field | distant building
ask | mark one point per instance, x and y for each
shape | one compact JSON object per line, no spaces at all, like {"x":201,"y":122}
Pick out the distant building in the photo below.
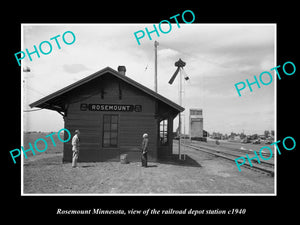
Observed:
{"x":196,"y":123}
{"x":216,"y":135}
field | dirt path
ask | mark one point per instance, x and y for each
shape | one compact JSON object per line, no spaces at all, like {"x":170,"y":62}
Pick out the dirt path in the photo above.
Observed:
{"x":199,"y":174}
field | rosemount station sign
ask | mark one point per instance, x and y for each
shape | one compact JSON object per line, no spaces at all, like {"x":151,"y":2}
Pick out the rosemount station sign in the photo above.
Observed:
{"x":111,"y":107}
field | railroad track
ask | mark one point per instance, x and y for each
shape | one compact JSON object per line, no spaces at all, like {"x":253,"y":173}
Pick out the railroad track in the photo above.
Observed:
{"x":264,"y":166}
{"x":236,"y":153}
{"x":244,"y":151}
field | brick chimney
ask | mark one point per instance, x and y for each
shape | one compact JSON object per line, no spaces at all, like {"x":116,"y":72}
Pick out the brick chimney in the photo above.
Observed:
{"x":122,"y":70}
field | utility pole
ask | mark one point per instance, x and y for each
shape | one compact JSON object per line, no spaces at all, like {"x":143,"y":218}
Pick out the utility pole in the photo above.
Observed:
{"x":155,"y":73}
{"x":179,"y":64}
{"x":180,"y":103}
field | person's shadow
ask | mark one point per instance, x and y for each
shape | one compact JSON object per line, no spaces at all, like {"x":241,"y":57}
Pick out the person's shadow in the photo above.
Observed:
{"x":174,"y":160}
{"x":153,"y":165}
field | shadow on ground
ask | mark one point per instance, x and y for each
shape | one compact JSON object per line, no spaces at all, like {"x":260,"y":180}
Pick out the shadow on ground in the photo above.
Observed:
{"x":174,"y":160}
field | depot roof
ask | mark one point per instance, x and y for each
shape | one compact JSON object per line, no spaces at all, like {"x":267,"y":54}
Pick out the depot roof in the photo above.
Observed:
{"x":54,"y":100}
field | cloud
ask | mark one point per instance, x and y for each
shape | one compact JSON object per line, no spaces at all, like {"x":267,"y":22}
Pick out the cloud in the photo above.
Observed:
{"x":216,"y":56}
{"x":74,"y":68}
{"x":167,"y":53}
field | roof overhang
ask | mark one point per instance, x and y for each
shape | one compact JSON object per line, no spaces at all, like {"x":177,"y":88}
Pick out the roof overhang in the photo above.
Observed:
{"x":52,"y":101}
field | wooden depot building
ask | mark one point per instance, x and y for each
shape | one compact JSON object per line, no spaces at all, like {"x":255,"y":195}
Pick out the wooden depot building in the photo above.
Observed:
{"x":112,"y":113}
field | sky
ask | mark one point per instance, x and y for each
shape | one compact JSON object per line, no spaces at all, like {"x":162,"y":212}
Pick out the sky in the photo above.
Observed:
{"x":217,"y":57}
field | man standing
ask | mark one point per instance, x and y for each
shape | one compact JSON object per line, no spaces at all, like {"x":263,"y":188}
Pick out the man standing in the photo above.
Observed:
{"x":144,"y":149}
{"x":75,"y":148}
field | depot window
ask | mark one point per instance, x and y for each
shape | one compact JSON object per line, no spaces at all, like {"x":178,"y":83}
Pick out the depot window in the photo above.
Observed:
{"x":110,"y":131}
{"x":163,"y":132}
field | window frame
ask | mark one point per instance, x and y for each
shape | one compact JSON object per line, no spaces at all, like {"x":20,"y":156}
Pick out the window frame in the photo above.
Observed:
{"x":108,"y":130}
{"x":164,"y":131}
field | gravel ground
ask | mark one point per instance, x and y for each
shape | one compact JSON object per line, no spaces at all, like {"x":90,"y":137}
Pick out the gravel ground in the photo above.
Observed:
{"x":200,"y":173}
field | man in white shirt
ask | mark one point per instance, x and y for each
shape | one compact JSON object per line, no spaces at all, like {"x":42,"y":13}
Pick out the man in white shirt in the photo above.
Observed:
{"x":144,"y":150}
{"x":75,"y":148}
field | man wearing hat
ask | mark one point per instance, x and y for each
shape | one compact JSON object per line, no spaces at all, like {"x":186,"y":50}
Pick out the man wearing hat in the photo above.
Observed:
{"x":144,"y":149}
{"x":75,"y":148}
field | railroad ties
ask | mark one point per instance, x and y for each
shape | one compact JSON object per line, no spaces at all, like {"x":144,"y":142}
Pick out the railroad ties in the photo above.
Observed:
{"x":266,"y":167}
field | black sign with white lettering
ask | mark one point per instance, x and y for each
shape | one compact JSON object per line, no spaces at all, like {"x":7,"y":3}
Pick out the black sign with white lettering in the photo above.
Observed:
{"x":110,"y":107}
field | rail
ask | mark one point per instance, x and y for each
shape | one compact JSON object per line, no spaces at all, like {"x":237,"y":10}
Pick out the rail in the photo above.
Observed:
{"x":264,"y":166}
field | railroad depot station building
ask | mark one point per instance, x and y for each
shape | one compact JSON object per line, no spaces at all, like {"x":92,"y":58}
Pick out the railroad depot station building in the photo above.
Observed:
{"x":112,"y":113}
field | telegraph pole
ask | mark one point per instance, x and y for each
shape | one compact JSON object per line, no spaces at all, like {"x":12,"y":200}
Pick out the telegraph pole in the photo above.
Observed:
{"x":179,"y":64}
{"x":180,"y":103}
{"x":155,"y":73}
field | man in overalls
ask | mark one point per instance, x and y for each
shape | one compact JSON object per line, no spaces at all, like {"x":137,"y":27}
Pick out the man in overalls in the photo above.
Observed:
{"x":75,"y":148}
{"x":144,"y":150}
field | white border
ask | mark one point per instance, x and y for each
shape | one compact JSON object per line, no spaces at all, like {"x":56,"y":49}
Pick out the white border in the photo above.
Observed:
{"x":173,"y":194}
{"x":22,"y":121}
{"x":275,"y":113}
